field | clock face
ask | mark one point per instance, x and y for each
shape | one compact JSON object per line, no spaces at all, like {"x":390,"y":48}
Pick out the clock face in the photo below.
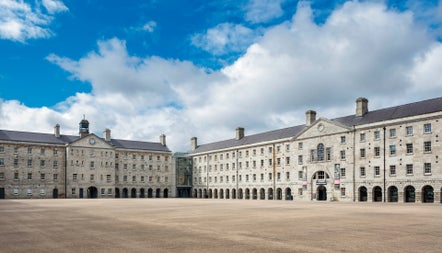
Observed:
{"x":92,"y":141}
{"x":320,"y":127}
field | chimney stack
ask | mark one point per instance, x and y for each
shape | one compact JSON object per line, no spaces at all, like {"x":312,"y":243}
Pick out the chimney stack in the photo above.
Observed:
{"x":194,"y":143}
{"x":361,"y":107}
{"x":107,"y":134}
{"x":239,"y":133}
{"x":57,"y":131}
{"x":163,"y":139}
{"x":310,"y":117}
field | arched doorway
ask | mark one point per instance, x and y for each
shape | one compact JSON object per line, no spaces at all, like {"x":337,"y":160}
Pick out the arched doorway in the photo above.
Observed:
{"x":133,"y":193}
{"x":157,"y":193}
{"x":166,"y":193}
{"x":200,"y":193}
{"x":117,"y":192}
{"x":288,"y":194}
{"x":279,"y":194}
{"x":205,"y":194}
{"x":142,"y":193}
{"x":254,"y":193}
{"x":377,"y":194}
{"x":92,"y":192}
{"x":321,"y":193}
{"x":221,"y":193}
{"x":149,"y":193}
{"x":427,"y":194}
{"x":247,"y":193}
{"x":55,"y":193}
{"x":262,"y":193}
{"x":227,"y":194}
{"x":195,"y":193}
{"x":233,"y":193}
{"x":125,"y":193}
{"x":240,"y":195}
{"x":270,"y":193}
{"x":393,"y":194}
{"x":409,"y":194}
{"x":215,"y":193}
{"x":363,"y":194}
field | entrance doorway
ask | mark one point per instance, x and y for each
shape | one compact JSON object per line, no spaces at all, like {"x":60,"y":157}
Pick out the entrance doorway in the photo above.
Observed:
{"x":410,"y":194}
{"x":2,"y":193}
{"x":321,"y":193}
{"x":117,"y":192}
{"x":81,"y":193}
{"x":392,"y":194}
{"x":92,"y":192}
{"x":377,"y":194}
{"x":55,"y":193}
{"x":362,"y":194}
{"x":427,"y":194}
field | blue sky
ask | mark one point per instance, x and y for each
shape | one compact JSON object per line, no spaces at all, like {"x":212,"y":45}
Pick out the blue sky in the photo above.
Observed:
{"x":203,"y":68}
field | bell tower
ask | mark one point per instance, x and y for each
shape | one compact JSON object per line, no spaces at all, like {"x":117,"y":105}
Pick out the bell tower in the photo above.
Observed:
{"x":84,"y":127}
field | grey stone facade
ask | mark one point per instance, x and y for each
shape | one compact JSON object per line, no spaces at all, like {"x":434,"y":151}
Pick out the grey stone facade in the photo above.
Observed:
{"x":389,"y":155}
{"x":38,"y":165}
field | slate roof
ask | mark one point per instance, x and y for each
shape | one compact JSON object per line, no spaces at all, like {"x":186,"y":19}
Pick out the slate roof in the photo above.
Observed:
{"x":391,"y":113}
{"x":44,"y":138}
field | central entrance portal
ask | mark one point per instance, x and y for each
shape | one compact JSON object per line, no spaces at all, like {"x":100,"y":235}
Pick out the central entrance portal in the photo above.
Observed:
{"x":92,"y":192}
{"x":321,"y":192}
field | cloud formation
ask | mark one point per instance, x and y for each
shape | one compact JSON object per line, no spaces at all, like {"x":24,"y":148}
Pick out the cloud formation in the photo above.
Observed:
{"x":20,"y":22}
{"x":261,"y":11}
{"x":362,"y":49}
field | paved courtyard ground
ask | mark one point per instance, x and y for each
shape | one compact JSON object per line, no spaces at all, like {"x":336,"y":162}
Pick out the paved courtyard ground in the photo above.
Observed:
{"x":201,"y":225}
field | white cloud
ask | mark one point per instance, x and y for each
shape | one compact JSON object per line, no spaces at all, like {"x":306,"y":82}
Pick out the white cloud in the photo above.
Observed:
{"x":225,"y":38}
{"x":261,"y":11}
{"x":19,"y":22}
{"x":54,"y":6}
{"x":150,"y":26}
{"x":363,"y":49}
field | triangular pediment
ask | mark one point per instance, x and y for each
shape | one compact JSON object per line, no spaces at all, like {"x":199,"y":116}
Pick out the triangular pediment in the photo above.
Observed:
{"x":91,"y":141}
{"x":322,"y":127}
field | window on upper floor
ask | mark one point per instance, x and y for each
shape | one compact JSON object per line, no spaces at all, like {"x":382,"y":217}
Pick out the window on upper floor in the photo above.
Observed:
{"x":392,"y":132}
{"x":427,"y":168}
{"x":362,"y":137}
{"x":377,"y":151}
{"x":409,"y":130}
{"x":320,"y":152}
{"x":409,"y":147}
{"x":392,"y":149}
{"x":427,"y":128}
{"x":377,"y":135}
{"x":343,"y":139}
{"x":427,"y":146}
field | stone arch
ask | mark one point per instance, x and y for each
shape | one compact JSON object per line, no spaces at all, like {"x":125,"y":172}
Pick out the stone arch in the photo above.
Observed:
{"x":227,"y":193}
{"x":409,"y":194}
{"x":427,"y":194}
{"x":221,"y":193}
{"x":247,"y":193}
{"x":240,"y":194}
{"x":270,"y":193}
{"x":363,"y":195}
{"x":157,"y":193}
{"x":125,"y":193}
{"x":254,"y":193}
{"x":279,"y":194}
{"x":262,"y":193}
{"x":215,"y":193}
{"x":142,"y":193}
{"x":377,"y":194}
{"x":288,"y":194}
{"x":393,"y":194}
{"x":133,"y":193}
{"x":233,"y":193}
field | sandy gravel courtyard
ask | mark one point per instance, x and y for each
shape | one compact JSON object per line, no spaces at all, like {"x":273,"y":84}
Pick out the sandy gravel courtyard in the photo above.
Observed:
{"x":201,"y":225}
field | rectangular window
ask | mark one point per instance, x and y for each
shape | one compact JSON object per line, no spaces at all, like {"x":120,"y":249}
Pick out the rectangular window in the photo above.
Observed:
{"x":392,"y":132}
{"x":343,"y":139}
{"x":299,"y":159}
{"x":362,"y":137}
{"x":328,"y":154}
{"x":343,"y":173}
{"x":74,"y":191}
{"x":427,"y":168}
{"x":278,"y":161}
{"x":74,"y":177}
{"x":55,"y":176}
{"x":362,"y":152}
{"x":55,"y":152}
{"x":342,"y":154}
{"x":42,"y":176}
{"x":55,"y":164}
{"x":287,"y":175}
{"x":300,"y":145}
{"x":392,"y":149}
{"x":2,"y":176}
{"x":15,"y":162}
{"x":377,"y":151}
{"x":362,"y":171}
{"x":42,"y":151}
{"x":108,"y":178}
{"x":409,"y":148}
{"x":29,"y":175}
{"x":125,"y":178}
{"x":377,"y":171}
{"x":427,"y":128}
{"x":409,"y":130}
{"x":270,"y":162}
{"x":300,"y":174}
{"x":377,"y":135}
{"x":427,"y":146}
{"x":2,"y":162}
{"x":278,"y":176}
{"x":392,"y":170}
{"x":134,"y":178}
{"x":15,"y":175}
{"x":15,"y":150}
{"x":92,"y":177}
{"x":287,"y":160}
{"x":343,"y":191}
{"x":270,"y":176}
{"x":92,"y":164}
{"x":409,"y":169}
{"x":262,"y":176}
{"x":29,"y":151}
